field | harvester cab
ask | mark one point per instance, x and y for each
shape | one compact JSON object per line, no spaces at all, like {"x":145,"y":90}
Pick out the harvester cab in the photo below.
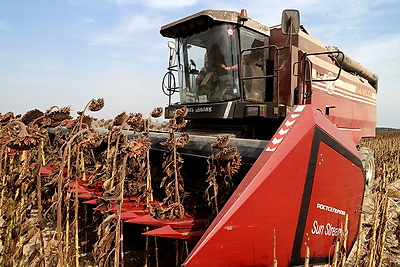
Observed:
{"x":227,"y":72}
{"x":236,"y":75}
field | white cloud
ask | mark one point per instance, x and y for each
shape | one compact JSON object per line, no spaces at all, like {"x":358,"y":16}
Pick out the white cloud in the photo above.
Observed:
{"x":169,"y":3}
{"x":4,"y":27}
{"x":157,"y":4}
{"x":106,"y":38}
{"x":88,"y":20}
{"x":381,"y":53}
{"x":128,"y":31}
{"x":140,"y":23}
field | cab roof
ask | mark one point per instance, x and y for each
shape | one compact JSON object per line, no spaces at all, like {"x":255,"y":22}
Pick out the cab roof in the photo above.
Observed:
{"x":204,"y":20}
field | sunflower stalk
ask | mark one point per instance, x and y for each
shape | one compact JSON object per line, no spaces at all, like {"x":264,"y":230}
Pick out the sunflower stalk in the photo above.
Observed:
{"x":149,"y":189}
{"x":345,"y":235}
{"x":358,"y":252}
{"x":307,"y":258}
{"x":118,"y":249}
{"x":83,"y":114}
{"x":275,"y":261}
{"x":76,"y":208}
{"x":67,"y":227}
{"x":21,"y":211}
{"x":156,"y":250}
{"x":3,"y":180}
{"x":60,"y":184}
{"x":212,"y":181}
{"x":39,"y":203}
{"x":114,"y":165}
{"x":384,"y":231}
{"x":177,"y":194}
{"x":146,"y":249}
{"x":149,"y":195}
{"x":336,"y":252}
{"x":371,"y":257}
{"x":81,"y":156}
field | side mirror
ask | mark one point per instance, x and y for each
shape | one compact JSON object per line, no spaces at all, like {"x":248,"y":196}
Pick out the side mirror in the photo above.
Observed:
{"x":171,"y":45}
{"x":290,"y":21}
{"x":172,"y":53}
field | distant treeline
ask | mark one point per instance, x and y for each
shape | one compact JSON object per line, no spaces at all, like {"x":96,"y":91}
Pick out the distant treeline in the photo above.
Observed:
{"x":386,"y":129}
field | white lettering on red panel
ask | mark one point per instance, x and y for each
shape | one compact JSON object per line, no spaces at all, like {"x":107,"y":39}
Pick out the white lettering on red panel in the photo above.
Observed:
{"x":325,"y":229}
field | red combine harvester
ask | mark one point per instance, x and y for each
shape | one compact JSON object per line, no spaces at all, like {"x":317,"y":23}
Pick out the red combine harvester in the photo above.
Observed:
{"x":297,"y":111}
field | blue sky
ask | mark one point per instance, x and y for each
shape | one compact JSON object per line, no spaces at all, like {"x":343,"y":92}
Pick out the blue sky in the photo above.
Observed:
{"x":66,"y":52}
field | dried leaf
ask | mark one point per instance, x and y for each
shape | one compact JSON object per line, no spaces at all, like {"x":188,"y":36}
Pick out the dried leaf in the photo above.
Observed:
{"x":33,"y":256}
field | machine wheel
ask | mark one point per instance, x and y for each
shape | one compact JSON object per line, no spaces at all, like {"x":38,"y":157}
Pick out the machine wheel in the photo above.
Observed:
{"x":368,"y":162}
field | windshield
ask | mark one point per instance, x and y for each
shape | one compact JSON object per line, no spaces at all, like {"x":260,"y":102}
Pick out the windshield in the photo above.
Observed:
{"x":208,"y":66}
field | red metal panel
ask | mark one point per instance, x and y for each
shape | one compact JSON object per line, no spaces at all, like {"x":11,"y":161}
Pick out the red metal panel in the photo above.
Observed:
{"x":355,"y":119}
{"x":331,"y":199}
{"x":269,"y":198}
{"x":278,"y":195}
{"x":354,"y":100}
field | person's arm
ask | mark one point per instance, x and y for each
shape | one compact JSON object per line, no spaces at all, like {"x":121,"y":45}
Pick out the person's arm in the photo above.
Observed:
{"x":228,"y":68}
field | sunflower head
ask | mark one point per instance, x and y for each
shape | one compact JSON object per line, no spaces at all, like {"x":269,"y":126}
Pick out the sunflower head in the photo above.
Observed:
{"x":6,"y":118}
{"x":229,"y":160}
{"x":96,"y":104}
{"x":135,"y":121}
{"x":182,"y":140}
{"x":231,"y":167}
{"x":33,"y":115}
{"x":156,"y":112}
{"x":221,"y":142}
{"x":19,"y":137}
{"x":136,"y":148}
{"x":54,"y":118}
{"x":85,"y":120}
{"x":181,"y":112}
{"x":119,"y":119}
{"x":227,"y":154}
{"x":91,"y":140}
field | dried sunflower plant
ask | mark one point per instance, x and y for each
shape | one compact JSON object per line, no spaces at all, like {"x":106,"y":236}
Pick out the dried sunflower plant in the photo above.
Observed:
{"x":73,"y":153}
{"x":221,"y":167}
{"x":71,"y":156}
{"x":172,"y":182}
{"x":21,"y":155}
{"x":127,"y":165}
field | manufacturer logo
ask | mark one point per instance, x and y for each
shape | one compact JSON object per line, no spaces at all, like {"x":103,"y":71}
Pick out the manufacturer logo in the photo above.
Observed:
{"x":330,"y":85}
{"x":200,"y":110}
{"x":330,"y":209}
{"x":230,"y":31}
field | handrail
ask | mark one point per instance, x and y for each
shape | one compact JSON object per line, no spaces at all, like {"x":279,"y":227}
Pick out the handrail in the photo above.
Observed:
{"x":308,"y":63}
{"x":306,"y":55}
